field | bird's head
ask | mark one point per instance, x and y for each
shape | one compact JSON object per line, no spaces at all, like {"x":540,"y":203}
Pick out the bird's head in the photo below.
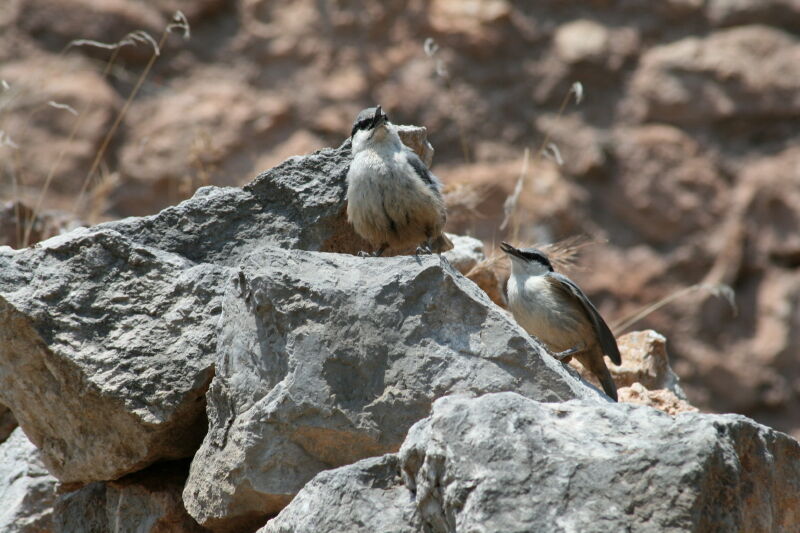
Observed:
{"x":370,"y":127}
{"x":529,"y":261}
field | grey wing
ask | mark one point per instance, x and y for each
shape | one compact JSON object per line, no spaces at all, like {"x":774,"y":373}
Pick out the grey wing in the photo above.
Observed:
{"x":607,"y":341}
{"x":422,"y":171}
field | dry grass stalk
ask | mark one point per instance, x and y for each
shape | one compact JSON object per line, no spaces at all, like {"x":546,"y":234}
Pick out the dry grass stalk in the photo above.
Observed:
{"x":463,"y":200}
{"x":430,"y":47}
{"x":546,"y":149}
{"x":510,"y":205}
{"x":179,"y":23}
{"x":101,"y":193}
{"x":717,"y":289}
{"x":564,"y":253}
{"x":129,"y":40}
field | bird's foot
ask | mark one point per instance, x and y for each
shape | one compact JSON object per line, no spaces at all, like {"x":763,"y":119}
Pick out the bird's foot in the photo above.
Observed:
{"x":376,"y":253}
{"x":566,"y":355}
{"x":423,"y":248}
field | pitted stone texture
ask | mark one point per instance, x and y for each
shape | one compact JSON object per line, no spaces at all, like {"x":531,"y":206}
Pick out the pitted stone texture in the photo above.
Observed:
{"x":467,"y":252}
{"x":502,"y":462}
{"x":27,"y":490}
{"x":366,"y":497}
{"x":645,"y":373}
{"x":325,"y":359}
{"x":106,"y":351}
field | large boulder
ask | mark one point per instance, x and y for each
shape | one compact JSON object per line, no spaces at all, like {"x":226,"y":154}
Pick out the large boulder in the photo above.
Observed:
{"x":108,"y":334}
{"x":665,"y":187}
{"x":325,"y":359}
{"x":502,"y":462}
{"x":106,"y":351}
{"x":27,"y":490}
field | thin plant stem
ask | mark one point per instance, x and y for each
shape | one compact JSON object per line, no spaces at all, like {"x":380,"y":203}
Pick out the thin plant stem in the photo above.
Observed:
{"x":110,"y":134}
{"x":513,"y":211}
{"x":76,"y":125}
{"x":720,"y":290}
{"x":518,"y":190}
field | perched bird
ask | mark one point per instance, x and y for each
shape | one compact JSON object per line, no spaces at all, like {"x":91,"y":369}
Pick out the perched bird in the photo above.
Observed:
{"x":392,"y":198}
{"x":555,"y":310}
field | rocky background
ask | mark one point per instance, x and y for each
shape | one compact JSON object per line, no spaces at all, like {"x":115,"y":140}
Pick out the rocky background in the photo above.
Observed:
{"x":681,"y":162}
{"x":232,"y":363}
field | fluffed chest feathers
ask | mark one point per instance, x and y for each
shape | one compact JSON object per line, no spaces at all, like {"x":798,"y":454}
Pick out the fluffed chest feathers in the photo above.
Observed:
{"x":386,"y":180}
{"x":372,"y":168}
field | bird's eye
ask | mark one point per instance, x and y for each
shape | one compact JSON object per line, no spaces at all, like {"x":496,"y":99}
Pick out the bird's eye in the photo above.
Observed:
{"x":360,"y":125}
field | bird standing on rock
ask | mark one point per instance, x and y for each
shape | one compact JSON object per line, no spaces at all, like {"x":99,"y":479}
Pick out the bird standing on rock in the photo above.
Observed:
{"x":555,"y":310}
{"x":392,"y":198}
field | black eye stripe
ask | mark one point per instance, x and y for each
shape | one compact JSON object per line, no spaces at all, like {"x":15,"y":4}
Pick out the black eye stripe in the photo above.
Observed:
{"x":539,"y":258}
{"x":360,"y":125}
{"x":365,"y":118}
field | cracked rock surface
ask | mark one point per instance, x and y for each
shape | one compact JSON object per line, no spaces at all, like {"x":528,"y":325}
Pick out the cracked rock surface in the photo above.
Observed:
{"x":502,"y":462}
{"x":106,"y":351}
{"x":325,"y":359}
{"x":27,"y":490}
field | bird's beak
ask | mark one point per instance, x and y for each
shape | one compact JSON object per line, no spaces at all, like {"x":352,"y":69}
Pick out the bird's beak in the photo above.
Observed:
{"x":510,"y":250}
{"x":376,"y":118}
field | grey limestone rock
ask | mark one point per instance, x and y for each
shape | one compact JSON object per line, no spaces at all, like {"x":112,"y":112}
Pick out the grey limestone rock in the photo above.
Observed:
{"x":107,"y":334}
{"x":467,"y":252}
{"x":502,"y":462}
{"x":325,"y":359}
{"x":27,"y":490}
{"x":365,"y":497}
{"x":106,"y":351}
{"x":145,"y":502}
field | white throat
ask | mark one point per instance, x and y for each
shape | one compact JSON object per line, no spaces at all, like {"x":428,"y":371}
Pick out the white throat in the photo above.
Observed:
{"x":525,"y":269}
{"x":382,"y":138}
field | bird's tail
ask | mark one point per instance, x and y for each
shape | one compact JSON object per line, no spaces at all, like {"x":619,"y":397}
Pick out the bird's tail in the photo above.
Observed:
{"x":597,"y":366}
{"x":608,"y":384}
{"x":441,"y":244}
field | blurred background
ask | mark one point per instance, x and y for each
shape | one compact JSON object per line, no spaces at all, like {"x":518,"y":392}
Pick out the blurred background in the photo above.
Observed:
{"x":681,"y":163}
